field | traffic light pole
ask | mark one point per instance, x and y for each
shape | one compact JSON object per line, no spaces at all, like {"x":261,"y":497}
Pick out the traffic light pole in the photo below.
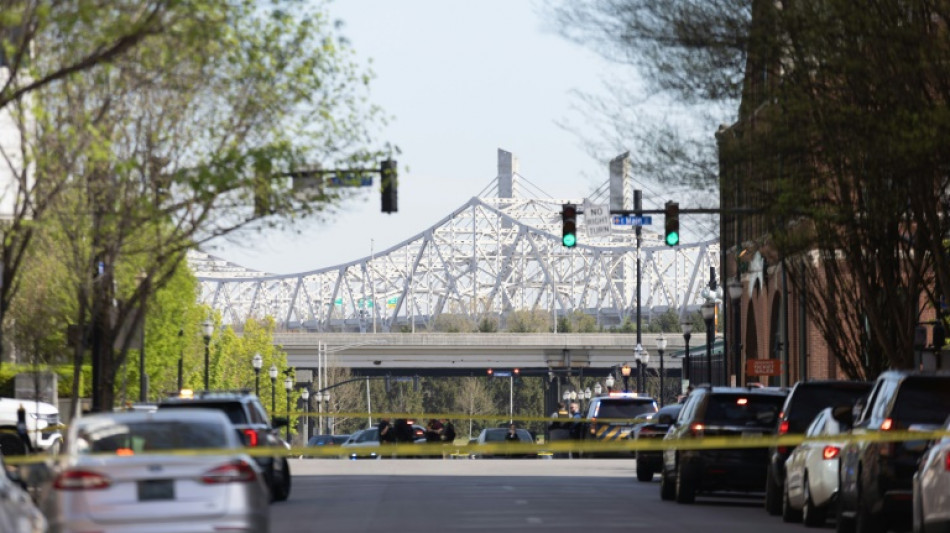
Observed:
{"x":638,"y":211}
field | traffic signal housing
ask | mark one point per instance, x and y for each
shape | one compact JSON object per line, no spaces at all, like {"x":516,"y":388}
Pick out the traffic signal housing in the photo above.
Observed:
{"x":387,"y":172}
{"x":491,"y":373}
{"x":569,"y":225}
{"x":671,"y":235}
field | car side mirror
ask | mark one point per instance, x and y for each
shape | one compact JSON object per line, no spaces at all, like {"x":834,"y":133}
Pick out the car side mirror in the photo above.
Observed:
{"x":843,"y":414}
{"x":280,"y":421}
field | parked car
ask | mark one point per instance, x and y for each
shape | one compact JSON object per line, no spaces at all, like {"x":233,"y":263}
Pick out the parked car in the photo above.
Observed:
{"x":327,"y":440}
{"x":122,"y":472}
{"x":804,"y":401}
{"x":811,"y":472}
{"x":655,"y":428}
{"x":18,"y":514}
{"x":497,"y":437}
{"x":42,"y":422}
{"x":721,"y":412}
{"x":931,"y":508}
{"x":613,"y":417}
{"x":254,"y":427}
{"x":364,"y":438}
{"x":876,"y":476}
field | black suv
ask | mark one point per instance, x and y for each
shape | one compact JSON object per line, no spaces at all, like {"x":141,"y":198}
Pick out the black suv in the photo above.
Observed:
{"x":721,"y":412}
{"x":654,"y":429}
{"x":876,"y":477}
{"x":613,"y":417}
{"x":254,"y":428}
{"x":806,"y":399}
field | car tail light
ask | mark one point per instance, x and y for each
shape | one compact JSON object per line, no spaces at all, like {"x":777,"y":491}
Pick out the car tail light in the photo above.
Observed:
{"x":946,"y":463}
{"x":783,"y":427}
{"x":697,"y":429}
{"x":237,"y":472}
{"x":81,"y":480}
{"x":830,"y":452}
{"x":251,"y":437}
{"x":887,"y":424}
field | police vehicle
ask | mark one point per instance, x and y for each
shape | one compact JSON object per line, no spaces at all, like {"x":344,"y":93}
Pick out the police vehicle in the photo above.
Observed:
{"x":613,"y":417}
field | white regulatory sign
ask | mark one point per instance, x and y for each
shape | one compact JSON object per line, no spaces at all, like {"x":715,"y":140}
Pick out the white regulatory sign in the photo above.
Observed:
{"x":596,"y":219}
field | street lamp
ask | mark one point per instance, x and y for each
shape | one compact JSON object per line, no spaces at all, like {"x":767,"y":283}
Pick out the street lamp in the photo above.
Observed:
{"x":305,"y":396}
{"x":709,"y":314}
{"x":687,"y":333}
{"x":207,"y":329}
{"x":326,"y":398}
{"x":587,"y":396}
{"x":273,"y":388}
{"x":660,"y":346}
{"x":610,"y":381}
{"x":288,"y":385}
{"x":642,"y":357}
{"x":625,"y":372}
{"x":597,"y":389}
{"x":566,"y":397}
{"x":258,"y":362}
{"x":735,"y":295}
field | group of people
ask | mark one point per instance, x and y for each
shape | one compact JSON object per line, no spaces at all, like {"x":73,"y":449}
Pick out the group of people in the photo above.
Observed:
{"x":401,"y":431}
{"x":560,"y":430}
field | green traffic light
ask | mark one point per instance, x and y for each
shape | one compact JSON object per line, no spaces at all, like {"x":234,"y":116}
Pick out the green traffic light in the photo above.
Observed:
{"x":569,"y":240}
{"x":672,"y":238}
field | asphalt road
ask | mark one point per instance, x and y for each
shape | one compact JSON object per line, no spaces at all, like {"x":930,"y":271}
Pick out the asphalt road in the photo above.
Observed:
{"x":500,"y":495}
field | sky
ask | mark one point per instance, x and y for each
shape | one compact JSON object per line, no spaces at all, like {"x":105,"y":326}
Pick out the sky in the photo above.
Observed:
{"x":460,"y":79}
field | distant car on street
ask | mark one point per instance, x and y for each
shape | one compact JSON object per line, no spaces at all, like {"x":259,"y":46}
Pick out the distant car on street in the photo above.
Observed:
{"x":932,"y":487}
{"x":613,"y":417}
{"x":498,"y":437}
{"x":654,"y":428}
{"x":42,"y":422}
{"x":124,"y":472}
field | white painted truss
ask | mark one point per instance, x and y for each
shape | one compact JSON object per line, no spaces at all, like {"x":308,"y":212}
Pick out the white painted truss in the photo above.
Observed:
{"x":489,"y":257}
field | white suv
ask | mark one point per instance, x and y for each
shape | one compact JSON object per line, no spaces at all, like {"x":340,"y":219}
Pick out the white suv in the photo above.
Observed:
{"x":42,"y":421}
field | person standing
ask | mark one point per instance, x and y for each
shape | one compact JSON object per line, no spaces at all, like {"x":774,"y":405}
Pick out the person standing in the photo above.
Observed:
{"x":447,"y":434}
{"x":387,"y":435}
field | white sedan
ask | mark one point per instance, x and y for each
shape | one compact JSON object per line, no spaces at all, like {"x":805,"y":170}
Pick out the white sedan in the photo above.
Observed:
{"x":17,"y":512}
{"x":811,"y":479}
{"x":168,"y":471}
{"x":932,"y":487}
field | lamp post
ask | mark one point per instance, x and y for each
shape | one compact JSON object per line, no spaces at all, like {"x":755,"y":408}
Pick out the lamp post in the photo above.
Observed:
{"x":319,"y":399}
{"x":587,"y":397}
{"x":258,"y":362}
{"x":273,"y":388}
{"x":305,"y":396}
{"x":181,"y":356}
{"x":687,"y":333}
{"x":709,"y":313}
{"x":735,"y":296}
{"x":207,"y":329}
{"x":642,"y":357}
{"x":625,"y":373}
{"x":326,"y":398}
{"x":610,"y":382}
{"x":288,"y":385}
{"x":660,"y":346}
{"x":598,"y":389}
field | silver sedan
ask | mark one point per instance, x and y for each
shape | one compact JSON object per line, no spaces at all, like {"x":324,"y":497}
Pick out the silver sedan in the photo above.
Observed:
{"x":167,"y":471}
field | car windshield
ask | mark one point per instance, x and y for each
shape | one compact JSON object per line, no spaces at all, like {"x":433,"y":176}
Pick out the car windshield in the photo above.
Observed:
{"x":135,"y":437}
{"x":806,"y":404}
{"x":922,"y":400}
{"x":233,"y":410}
{"x":625,"y":408}
{"x":751,"y":410}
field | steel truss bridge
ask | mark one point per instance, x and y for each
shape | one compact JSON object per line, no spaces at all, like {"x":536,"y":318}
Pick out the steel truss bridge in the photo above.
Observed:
{"x":498,"y":253}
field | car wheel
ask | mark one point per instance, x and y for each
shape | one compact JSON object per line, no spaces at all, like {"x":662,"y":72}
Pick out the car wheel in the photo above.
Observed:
{"x":685,"y":484}
{"x":918,"y":509}
{"x":866,"y":521}
{"x":812,"y":516}
{"x":667,"y":487}
{"x":773,"y":494}
{"x":281,"y":487}
{"x":644,"y":473}
{"x":789,"y":514}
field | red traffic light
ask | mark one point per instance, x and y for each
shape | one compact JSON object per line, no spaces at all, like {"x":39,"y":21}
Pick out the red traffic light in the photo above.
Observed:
{"x":491,"y":372}
{"x":516,"y":372}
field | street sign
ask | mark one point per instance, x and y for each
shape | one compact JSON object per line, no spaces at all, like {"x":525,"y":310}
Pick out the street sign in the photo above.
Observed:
{"x":763,"y":367}
{"x":596,"y":219}
{"x":632,"y":220}
{"x":502,"y":374}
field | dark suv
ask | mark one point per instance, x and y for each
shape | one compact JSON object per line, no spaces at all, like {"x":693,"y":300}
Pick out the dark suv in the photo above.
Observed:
{"x":613,"y":417}
{"x":876,"y":477}
{"x":254,"y":428}
{"x":806,"y":399}
{"x":720,"y":412}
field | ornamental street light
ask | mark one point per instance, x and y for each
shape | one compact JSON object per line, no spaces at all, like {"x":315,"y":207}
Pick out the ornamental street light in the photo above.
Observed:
{"x":207,"y":330}
{"x":709,"y":314}
{"x":687,"y":333}
{"x":625,"y":372}
{"x":288,"y":385}
{"x":660,"y":346}
{"x":610,"y":381}
{"x":642,"y":357}
{"x":273,"y":388}
{"x":258,"y":362}
{"x":305,"y":396}
{"x":326,"y":398}
{"x":598,"y":389}
{"x":735,"y":296}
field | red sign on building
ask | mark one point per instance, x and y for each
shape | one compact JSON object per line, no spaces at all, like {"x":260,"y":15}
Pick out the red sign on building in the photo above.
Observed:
{"x":763,"y":367}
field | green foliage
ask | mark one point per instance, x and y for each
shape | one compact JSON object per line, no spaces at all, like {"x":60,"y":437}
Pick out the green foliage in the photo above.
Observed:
{"x":64,"y":378}
{"x":524,"y":321}
{"x":453,"y":323}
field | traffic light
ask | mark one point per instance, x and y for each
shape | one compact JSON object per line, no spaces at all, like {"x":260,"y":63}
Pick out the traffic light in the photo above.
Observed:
{"x":491,"y":373}
{"x":516,"y":373}
{"x":569,"y":225}
{"x":672,"y":224}
{"x":387,"y":172}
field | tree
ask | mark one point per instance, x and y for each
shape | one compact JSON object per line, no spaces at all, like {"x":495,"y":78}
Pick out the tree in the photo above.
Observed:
{"x":535,"y":321}
{"x":180,"y":141}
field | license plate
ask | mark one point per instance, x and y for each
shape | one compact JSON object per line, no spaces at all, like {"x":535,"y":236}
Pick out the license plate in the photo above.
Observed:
{"x":156,"y":489}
